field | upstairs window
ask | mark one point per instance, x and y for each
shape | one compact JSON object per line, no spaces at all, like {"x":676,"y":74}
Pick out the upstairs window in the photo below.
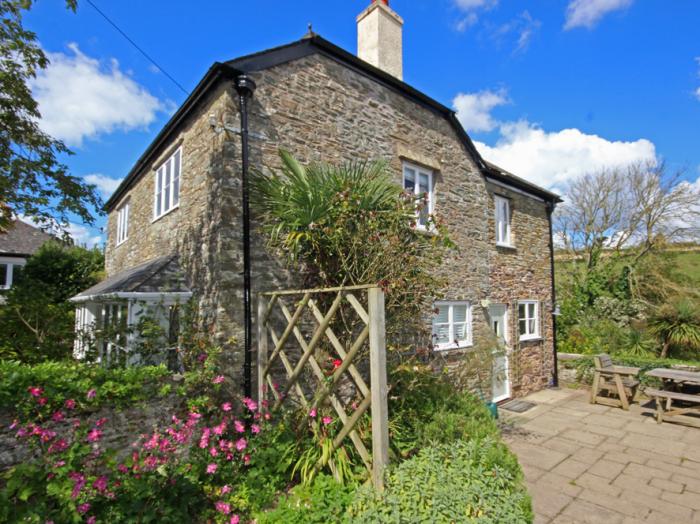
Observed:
{"x":452,"y":325}
{"x":167,"y":185}
{"x":5,"y":276}
{"x":123,"y":223}
{"x":419,"y":181}
{"x":528,"y":319}
{"x":502,"y":221}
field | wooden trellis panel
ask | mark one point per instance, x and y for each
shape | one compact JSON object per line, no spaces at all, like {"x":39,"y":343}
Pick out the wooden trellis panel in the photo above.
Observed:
{"x":347,"y":349}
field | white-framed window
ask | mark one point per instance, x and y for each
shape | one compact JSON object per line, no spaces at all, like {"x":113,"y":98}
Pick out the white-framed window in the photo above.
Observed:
{"x":167,"y":185}
{"x":528,"y":319}
{"x":123,"y":223}
{"x":8,"y":271}
{"x":452,"y":325}
{"x":419,"y":181}
{"x":502,"y":206}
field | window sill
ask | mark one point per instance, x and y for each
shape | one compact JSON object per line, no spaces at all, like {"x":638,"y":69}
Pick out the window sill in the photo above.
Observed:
{"x":453,"y":348}
{"x":531,"y":338}
{"x":121,"y":243}
{"x":505,"y":246}
{"x":156,"y":219}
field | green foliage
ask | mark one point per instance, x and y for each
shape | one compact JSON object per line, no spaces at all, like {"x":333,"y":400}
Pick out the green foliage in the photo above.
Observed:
{"x":324,"y":500}
{"x":446,"y":483}
{"x":71,"y":380}
{"x":425,"y":408}
{"x":37,"y":321}
{"x":352,"y":224}
{"x":33,"y":182}
{"x":677,"y":326}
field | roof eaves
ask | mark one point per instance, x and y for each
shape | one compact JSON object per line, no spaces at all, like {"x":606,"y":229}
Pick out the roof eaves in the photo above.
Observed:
{"x":216,"y":71}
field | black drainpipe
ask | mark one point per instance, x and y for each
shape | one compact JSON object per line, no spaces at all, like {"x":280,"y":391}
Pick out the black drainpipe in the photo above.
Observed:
{"x":555,"y":374}
{"x":245,"y":88}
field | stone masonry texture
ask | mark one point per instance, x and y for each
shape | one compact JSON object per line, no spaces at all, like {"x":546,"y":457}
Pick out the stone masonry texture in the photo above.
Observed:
{"x":320,"y":110}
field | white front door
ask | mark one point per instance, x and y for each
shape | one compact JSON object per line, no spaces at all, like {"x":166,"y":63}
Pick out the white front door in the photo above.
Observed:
{"x":500,"y":381}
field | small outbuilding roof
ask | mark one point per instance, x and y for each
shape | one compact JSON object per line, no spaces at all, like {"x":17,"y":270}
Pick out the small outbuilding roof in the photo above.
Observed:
{"x":22,"y":240}
{"x":161,"y":275}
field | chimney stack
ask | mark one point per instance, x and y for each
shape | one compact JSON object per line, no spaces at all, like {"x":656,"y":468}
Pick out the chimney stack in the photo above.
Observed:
{"x":379,"y":38}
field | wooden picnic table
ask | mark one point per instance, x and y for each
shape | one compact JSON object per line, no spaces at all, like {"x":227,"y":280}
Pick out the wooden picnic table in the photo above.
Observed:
{"x":676,"y":376}
{"x":674,"y":380}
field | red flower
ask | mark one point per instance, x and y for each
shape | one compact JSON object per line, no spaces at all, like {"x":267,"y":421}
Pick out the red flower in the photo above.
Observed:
{"x":337,"y":363}
{"x":35,"y":391}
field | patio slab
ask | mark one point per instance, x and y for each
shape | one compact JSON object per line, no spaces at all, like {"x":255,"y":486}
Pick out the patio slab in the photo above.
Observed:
{"x":590,"y":463}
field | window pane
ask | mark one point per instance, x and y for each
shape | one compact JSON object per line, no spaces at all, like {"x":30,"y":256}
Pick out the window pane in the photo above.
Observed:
{"x":176,"y":179}
{"x":523,"y":327}
{"x":459,"y":313}
{"x":461,"y":332}
{"x":424,"y":183}
{"x":409,"y":179}
{"x":531,"y":308}
{"x":531,"y":325}
{"x":442,"y":334}
{"x":166,"y":188}
{"x":442,"y":314}
{"x":159,"y":189}
{"x":521,"y":311}
{"x":3,"y":275}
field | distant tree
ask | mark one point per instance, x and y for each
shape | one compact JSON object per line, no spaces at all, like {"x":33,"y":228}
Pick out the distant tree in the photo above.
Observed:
{"x":37,"y":321}
{"x":676,"y":325}
{"x":33,"y":182}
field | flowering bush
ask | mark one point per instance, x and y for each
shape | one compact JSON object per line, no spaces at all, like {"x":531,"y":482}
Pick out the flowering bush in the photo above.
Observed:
{"x":194,"y":470}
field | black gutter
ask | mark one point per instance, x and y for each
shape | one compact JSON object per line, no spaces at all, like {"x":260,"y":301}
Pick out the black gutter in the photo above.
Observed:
{"x":245,"y":88}
{"x":555,"y":373}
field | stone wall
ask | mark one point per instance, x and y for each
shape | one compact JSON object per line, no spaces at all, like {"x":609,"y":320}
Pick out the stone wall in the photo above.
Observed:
{"x":322,"y":111}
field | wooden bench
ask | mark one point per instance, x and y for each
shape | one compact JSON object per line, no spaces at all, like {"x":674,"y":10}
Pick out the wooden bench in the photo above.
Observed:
{"x":616,"y":380}
{"x":662,"y":397}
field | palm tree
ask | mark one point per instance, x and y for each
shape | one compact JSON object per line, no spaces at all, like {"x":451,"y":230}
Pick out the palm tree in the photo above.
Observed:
{"x":676,"y":325}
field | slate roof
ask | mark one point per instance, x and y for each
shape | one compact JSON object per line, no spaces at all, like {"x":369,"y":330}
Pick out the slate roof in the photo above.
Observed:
{"x":308,"y":45}
{"x":22,"y":240}
{"x":159,"y":275}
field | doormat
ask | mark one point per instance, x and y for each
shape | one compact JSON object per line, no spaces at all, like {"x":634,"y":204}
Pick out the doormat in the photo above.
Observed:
{"x":518,"y":406}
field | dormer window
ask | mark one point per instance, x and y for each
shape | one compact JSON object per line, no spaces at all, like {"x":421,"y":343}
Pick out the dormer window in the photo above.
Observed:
{"x":167,"y":185}
{"x":419,"y":181}
{"x":502,"y":221}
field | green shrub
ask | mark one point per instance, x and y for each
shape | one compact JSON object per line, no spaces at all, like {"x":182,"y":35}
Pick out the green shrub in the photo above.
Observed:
{"x":426,"y":408}
{"x":72,"y":380}
{"x":456,"y":482}
{"x":323,"y":500}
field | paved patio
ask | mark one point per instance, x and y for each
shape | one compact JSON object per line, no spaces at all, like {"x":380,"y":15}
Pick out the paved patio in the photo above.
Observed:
{"x":589,"y":463}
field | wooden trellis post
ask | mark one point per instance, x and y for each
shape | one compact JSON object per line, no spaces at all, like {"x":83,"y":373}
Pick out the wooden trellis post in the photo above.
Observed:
{"x":374,"y":396}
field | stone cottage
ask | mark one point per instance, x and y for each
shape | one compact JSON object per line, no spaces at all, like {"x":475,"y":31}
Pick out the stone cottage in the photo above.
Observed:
{"x":174,"y":224}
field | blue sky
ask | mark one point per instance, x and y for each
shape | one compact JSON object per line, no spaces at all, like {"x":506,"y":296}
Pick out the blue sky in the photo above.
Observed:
{"x":549,"y":89}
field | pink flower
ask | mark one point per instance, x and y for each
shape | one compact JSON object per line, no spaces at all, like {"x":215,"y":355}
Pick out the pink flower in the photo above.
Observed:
{"x":94,"y":435}
{"x":239,"y":426}
{"x":35,"y":391}
{"x":223,"y":507}
{"x":213,"y":451}
{"x":218,"y":379}
{"x":70,"y":404}
{"x":91,"y":520}
{"x":42,"y":401}
{"x":91,"y":394}
{"x":83,"y":508}
{"x":246,"y":459}
{"x":235,"y":519}
{"x":101,"y":422}
{"x":100,"y":484}
{"x":58,"y":446}
{"x":204,"y":441}
{"x":211,"y":468}
{"x":250,"y":404}
{"x":219,"y":430}
{"x":312,"y":413}
{"x":226,"y":406}
{"x":58,"y":416}
{"x":267,"y":416}
{"x":225,"y":489}
{"x":14,"y":424}
{"x":241,"y":444}
{"x":327,"y":420}
{"x":255,"y":428}
{"x":122,"y":468}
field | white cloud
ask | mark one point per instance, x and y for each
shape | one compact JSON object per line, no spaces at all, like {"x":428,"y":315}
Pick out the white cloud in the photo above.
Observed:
{"x":105,"y":184}
{"x":697,"y":91}
{"x":551,"y":159}
{"x":471,"y":8}
{"x":81,"y":235}
{"x":469,"y":5}
{"x":81,"y":98}
{"x":587,"y":13}
{"x":474,"y":109}
{"x":524,"y":26}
